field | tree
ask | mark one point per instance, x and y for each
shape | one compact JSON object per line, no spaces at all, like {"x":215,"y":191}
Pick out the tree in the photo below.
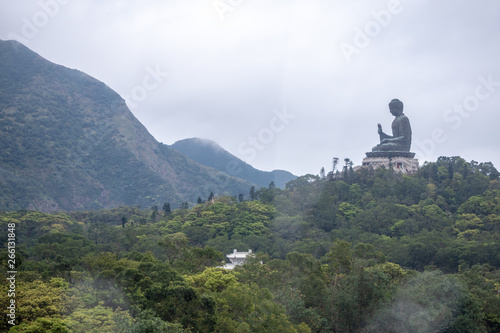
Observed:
{"x":178,"y":302}
{"x":484,"y":282}
{"x":322,"y":173}
{"x":248,"y":308}
{"x":199,"y":201}
{"x":335,"y":162}
{"x":99,"y":318}
{"x":241,"y":197}
{"x":154,"y":213}
{"x":430,"y":302}
{"x":166,"y":208}
{"x":213,"y":279}
{"x":211,"y":197}
{"x":39,"y":299}
{"x":42,"y":324}
{"x":339,"y":258}
{"x":124,"y":220}
{"x":146,"y":321}
{"x":348,"y":171}
{"x":489,"y":170}
{"x":252,"y":193}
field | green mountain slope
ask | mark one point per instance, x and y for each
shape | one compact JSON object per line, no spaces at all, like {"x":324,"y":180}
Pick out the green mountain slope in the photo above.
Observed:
{"x":67,"y":141}
{"x":209,"y":153}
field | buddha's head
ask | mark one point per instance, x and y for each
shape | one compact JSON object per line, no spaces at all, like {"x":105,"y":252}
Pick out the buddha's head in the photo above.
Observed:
{"x":396,"y":107}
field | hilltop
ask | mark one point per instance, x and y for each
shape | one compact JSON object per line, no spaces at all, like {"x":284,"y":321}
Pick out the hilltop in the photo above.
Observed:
{"x":210,"y":154}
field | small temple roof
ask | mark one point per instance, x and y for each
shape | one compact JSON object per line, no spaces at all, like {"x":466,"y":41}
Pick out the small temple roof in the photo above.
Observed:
{"x":237,"y":258}
{"x":237,"y":254}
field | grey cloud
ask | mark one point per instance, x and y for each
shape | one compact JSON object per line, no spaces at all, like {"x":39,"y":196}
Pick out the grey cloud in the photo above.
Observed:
{"x":226,"y":77}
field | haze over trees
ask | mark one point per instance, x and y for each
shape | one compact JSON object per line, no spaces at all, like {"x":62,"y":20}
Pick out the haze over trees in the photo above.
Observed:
{"x":354,"y":251}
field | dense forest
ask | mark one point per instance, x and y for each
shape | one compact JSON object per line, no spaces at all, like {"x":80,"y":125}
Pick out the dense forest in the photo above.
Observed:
{"x":346,"y":251}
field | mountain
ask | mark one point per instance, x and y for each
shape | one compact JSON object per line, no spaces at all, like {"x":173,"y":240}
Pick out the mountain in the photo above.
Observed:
{"x":69,"y":142}
{"x":209,"y":153}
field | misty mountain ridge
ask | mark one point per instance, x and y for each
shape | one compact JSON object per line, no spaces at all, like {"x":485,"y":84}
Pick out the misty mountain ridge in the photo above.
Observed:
{"x":211,"y":154}
{"x":69,"y":142}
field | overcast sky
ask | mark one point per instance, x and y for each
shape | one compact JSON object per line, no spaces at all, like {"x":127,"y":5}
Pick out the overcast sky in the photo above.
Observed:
{"x":286,"y":84}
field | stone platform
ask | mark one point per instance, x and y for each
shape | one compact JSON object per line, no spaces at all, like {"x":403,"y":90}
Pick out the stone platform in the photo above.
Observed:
{"x":401,"y":161}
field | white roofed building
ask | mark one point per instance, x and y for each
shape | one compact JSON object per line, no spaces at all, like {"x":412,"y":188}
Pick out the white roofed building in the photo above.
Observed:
{"x":237,"y":258}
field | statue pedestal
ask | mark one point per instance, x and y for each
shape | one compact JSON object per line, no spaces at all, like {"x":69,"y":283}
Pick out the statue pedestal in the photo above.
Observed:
{"x":400,"y":161}
{"x":390,"y":154}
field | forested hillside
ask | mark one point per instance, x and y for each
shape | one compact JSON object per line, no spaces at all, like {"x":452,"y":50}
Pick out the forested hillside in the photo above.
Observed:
{"x":69,"y":142}
{"x":209,"y":153}
{"x":353,"y":251}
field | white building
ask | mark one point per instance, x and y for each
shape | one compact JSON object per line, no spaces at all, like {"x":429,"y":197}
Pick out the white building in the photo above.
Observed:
{"x":237,"y":258}
{"x":400,"y":164}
